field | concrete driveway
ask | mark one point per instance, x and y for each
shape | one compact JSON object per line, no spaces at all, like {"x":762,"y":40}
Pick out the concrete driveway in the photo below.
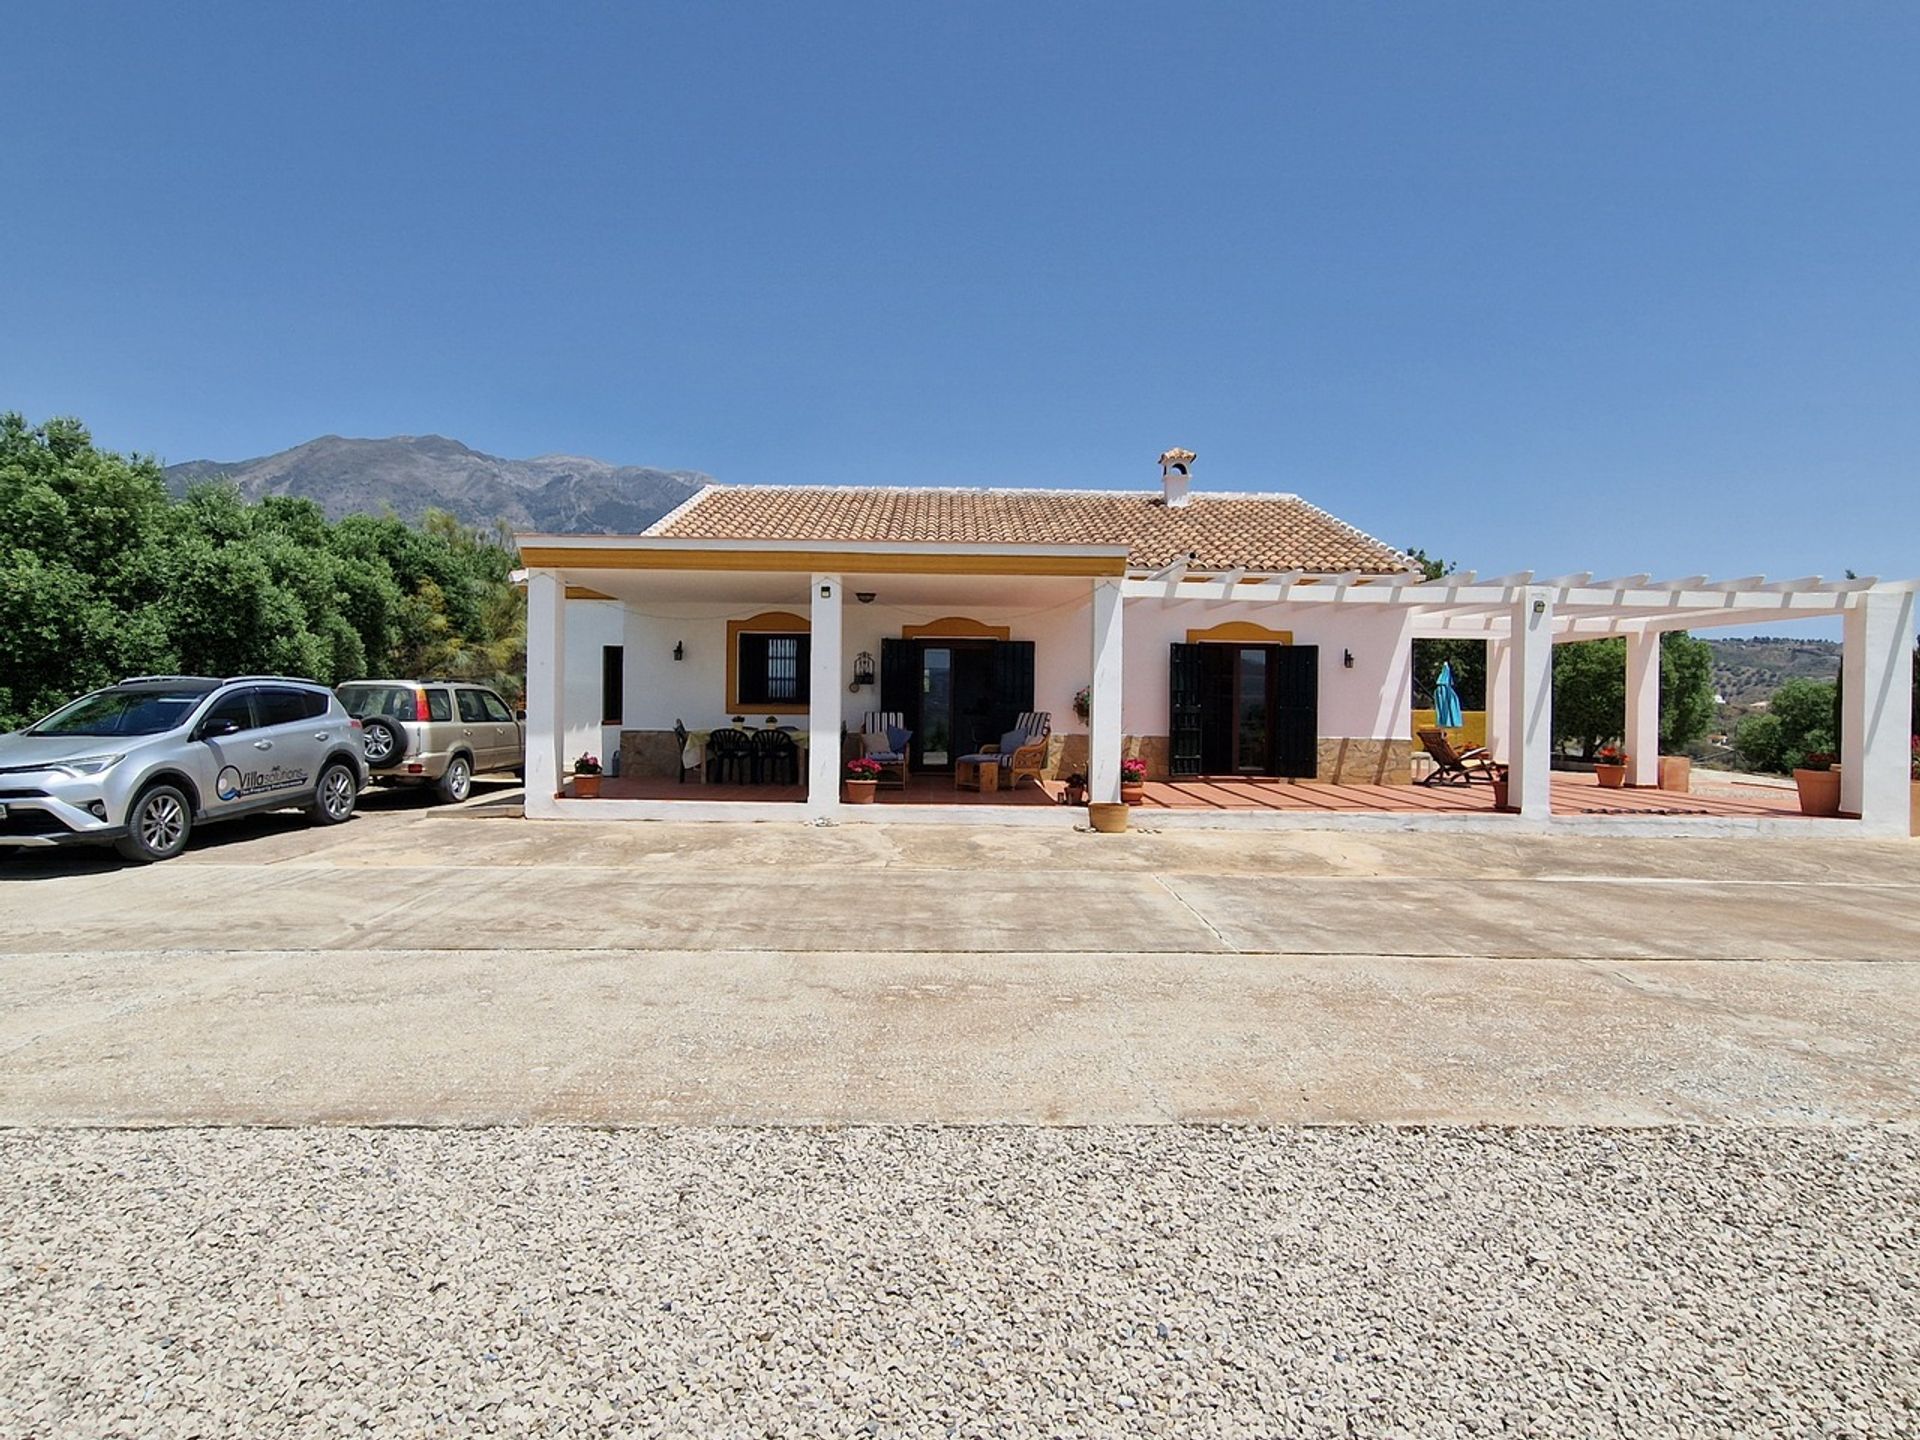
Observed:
{"x":468,"y":967}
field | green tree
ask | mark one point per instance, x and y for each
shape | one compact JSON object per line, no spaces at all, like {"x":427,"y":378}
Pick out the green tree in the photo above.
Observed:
{"x":1798,"y":722}
{"x":1590,"y":692}
{"x":1468,"y":657}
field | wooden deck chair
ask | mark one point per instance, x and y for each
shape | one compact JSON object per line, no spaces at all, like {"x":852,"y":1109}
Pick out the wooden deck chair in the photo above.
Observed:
{"x":1455,"y":767}
{"x":1029,"y":760}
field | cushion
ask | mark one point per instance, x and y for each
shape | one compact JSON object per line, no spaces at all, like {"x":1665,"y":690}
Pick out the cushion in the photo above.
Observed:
{"x":1012,"y":741}
{"x":873,"y":745}
{"x":897,"y":738}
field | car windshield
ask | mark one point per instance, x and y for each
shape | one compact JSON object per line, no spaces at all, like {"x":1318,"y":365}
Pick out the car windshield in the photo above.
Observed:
{"x":396,"y":702}
{"x":121,"y":712}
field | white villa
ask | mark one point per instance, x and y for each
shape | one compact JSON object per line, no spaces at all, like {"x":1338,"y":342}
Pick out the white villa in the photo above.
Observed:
{"x":1254,"y":651}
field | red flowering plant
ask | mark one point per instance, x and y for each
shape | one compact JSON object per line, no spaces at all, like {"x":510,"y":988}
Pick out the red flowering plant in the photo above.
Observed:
{"x":587,"y":764}
{"x":1916,"y":757}
{"x":1133,"y":772}
{"x":1609,"y":755}
{"x":863,"y":768}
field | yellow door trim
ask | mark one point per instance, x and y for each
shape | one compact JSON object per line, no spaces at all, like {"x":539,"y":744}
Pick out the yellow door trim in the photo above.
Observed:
{"x":1243,"y":632}
{"x":956,"y":627}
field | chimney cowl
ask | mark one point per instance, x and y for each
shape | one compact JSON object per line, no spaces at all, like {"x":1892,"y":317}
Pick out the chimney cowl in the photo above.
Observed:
{"x":1176,"y":470}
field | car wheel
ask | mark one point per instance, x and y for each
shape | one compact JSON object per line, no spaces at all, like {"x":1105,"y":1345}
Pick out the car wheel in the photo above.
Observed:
{"x":158,"y":826}
{"x":334,"y":796}
{"x":385,"y":741}
{"x":457,"y":783}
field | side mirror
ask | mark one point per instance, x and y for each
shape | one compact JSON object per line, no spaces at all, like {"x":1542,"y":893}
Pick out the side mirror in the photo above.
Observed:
{"x":218,"y":729}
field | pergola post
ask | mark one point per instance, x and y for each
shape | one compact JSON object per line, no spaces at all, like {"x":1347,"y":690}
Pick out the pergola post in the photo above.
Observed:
{"x":1499,"y":699}
{"x":1643,"y":708}
{"x":546,"y":686}
{"x":1530,"y":704}
{"x":1104,"y":732}
{"x":823,"y":697}
{"x":1876,"y":721}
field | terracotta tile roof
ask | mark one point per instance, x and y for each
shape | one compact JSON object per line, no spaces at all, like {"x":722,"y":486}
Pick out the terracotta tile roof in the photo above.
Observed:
{"x":1259,"y":532}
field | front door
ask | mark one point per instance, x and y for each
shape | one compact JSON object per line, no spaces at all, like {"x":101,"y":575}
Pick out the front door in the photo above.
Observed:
{"x":1244,"y":710}
{"x":956,"y":695}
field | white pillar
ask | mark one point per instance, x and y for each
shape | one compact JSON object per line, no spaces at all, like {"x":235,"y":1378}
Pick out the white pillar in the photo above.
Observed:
{"x":1530,"y":704}
{"x":1876,"y":720}
{"x":1499,"y":699}
{"x":824,"y":715}
{"x":1643,"y":708}
{"x":1104,"y":732}
{"x":546,"y":687}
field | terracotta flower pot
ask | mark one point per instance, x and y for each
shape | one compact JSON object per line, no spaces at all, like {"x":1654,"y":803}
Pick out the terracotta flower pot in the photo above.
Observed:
{"x":586,"y":787}
{"x":1611,"y":777}
{"x":1819,"y":791}
{"x":1914,"y":828}
{"x":861,"y":792}
{"x":1133,"y":793}
{"x":1676,"y":773}
{"x":1500,"y":795}
{"x":1108,"y":819}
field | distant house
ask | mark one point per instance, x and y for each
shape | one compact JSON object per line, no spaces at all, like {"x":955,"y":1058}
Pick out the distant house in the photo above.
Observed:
{"x":1248,"y":637}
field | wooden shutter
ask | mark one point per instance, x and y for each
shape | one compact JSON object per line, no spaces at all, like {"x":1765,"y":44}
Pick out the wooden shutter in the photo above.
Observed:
{"x":753,"y":670}
{"x":900,"y":681}
{"x":1186,"y":686}
{"x":1012,"y":684}
{"x":1296,"y":709}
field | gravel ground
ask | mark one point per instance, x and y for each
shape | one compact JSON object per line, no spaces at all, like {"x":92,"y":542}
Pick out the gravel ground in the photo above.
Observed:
{"x":1190,"y":1282}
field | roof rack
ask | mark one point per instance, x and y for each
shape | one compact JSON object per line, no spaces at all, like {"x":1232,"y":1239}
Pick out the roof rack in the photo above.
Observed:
{"x":276,"y":679}
{"x":167,"y":679}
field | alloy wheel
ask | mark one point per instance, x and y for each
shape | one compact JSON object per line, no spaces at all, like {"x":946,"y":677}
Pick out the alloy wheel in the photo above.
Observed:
{"x":336,"y":793}
{"x":162,"y":822}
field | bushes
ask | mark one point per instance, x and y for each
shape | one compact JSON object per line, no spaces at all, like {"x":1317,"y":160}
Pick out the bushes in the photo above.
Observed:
{"x":102,"y":574}
{"x":1798,"y":722}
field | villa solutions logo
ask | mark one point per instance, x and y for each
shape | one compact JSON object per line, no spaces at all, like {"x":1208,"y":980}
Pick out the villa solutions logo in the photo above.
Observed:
{"x":232,"y":783}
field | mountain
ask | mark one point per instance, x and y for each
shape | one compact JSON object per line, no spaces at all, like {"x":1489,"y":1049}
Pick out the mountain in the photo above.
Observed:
{"x":412,"y":473}
{"x":1748,"y":670}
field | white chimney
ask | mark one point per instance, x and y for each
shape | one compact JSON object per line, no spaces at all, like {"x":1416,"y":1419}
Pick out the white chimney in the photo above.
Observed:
{"x":1176,"y":467}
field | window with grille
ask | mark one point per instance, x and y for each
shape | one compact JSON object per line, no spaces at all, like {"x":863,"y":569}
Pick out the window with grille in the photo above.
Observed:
{"x":773,"y":669}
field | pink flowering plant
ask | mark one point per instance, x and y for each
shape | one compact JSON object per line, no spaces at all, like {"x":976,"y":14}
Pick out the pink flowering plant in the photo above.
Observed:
{"x":1133,"y":772}
{"x":863,"y":768}
{"x":1916,"y":757}
{"x":587,"y":764}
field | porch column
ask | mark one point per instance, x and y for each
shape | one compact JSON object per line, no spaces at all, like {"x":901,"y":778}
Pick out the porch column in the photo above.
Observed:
{"x":1876,"y":719}
{"x":1104,"y":733}
{"x":546,"y":687}
{"x":1643,"y":708}
{"x":1530,"y":704}
{"x":824,"y":714}
{"x":1499,"y":698}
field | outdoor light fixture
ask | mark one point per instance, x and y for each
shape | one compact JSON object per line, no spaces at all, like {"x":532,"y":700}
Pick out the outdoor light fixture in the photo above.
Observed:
{"x":679,"y":649}
{"x":862,"y":670}
{"x":865,"y":597}
{"x":826,"y":592}
{"x":1346,"y":658}
{"x":1539,"y":607}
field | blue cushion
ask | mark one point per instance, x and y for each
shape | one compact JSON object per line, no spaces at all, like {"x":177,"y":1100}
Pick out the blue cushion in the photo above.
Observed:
{"x":1012,"y":741}
{"x":897,"y":738}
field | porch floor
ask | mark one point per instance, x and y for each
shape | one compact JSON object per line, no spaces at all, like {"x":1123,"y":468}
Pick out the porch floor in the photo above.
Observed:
{"x":1572,"y":795}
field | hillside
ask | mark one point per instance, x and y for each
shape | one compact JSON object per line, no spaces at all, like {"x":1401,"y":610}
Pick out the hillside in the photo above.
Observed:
{"x":413,"y":473}
{"x":1745,"y":671}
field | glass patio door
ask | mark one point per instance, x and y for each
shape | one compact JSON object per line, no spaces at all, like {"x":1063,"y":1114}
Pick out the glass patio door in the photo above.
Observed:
{"x":936,"y":705}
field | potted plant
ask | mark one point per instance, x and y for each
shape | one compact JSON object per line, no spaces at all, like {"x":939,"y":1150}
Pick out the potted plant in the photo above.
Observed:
{"x":1818,"y":782}
{"x":1500,"y":794}
{"x":586,"y":777}
{"x":1133,"y":781}
{"x":863,"y":780}
{"x":1610,"y":767}
{"x":1083,"y":703}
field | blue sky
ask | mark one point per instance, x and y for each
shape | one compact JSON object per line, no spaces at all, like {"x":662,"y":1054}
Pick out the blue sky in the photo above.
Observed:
{"x":1608,"y":287}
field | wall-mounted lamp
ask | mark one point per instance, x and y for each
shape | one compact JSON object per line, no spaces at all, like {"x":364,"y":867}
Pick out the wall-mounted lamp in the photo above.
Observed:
{"x":826,"y":592}
{"x":1539,"y":607}
{"x":862,"y":670}
{"x":865,"y":597}
{"x":1346,"y":658}
{"x":679,"y":649}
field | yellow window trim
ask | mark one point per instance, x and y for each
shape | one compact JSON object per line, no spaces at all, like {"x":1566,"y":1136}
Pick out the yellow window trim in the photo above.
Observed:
{"x":768,"y":622}
{"x":1241,"y":632}
{"x":807,"y":562}
{"x":956,"y":627}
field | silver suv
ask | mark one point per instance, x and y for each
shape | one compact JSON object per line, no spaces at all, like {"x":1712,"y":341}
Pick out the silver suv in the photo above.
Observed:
{"x":139,"y":764}
{"x":435,"y":732}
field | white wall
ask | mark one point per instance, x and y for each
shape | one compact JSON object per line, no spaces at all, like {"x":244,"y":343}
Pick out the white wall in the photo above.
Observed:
{"x":1368,"y":701}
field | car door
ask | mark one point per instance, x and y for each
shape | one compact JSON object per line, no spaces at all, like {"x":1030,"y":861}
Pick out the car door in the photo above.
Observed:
{"x":293,"y":739}
{"x":476,"y":730}
{"x":509,"y":749}
{"x":225,"y":739}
